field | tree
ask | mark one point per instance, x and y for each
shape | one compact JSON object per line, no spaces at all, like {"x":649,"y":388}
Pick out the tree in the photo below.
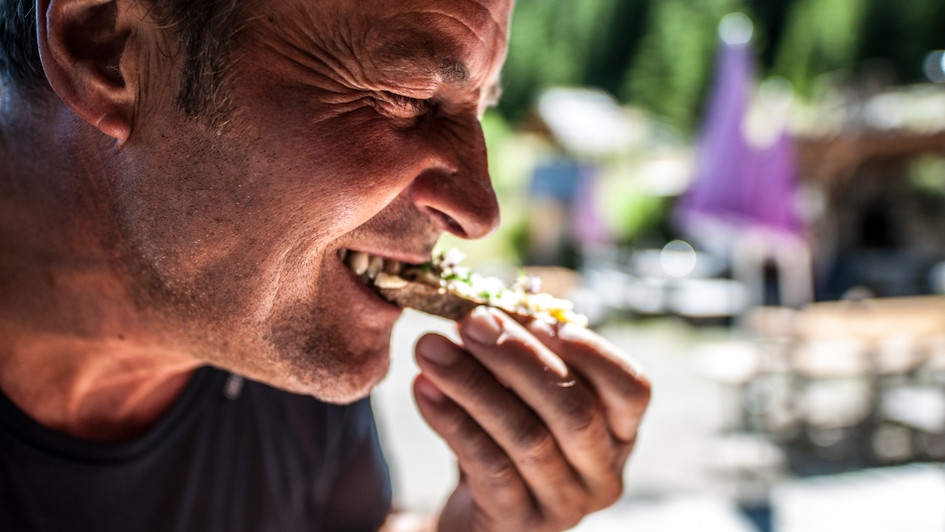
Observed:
{"x":821,"y":36}
{"x":673,"y":64}
{"x":659,"y":53}
{"x":563,"y":42}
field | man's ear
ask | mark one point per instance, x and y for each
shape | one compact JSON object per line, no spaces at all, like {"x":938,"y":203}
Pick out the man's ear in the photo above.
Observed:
{"x":90,"y":54}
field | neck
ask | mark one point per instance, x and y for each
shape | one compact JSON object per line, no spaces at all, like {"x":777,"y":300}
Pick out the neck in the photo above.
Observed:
{"x":112,"y":394}
{"x":75,"y":354}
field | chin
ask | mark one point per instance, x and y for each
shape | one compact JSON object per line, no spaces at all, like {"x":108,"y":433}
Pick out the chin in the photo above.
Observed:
{"x":351,"y":382}
{"x":336,"y":364}
{"x":332,"y":343}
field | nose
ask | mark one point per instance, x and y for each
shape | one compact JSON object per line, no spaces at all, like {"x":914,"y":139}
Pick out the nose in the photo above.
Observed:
{"x":456,"y":192}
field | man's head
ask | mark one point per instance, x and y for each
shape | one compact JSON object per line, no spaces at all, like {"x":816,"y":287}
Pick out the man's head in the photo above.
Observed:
{"x":349,"y":126}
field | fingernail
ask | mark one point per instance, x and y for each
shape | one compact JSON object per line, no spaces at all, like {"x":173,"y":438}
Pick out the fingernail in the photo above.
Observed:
{"x":542,"y":326}
{"x":429,"y":391}
{"x":444,"y":355}
{"x":483,"y":326}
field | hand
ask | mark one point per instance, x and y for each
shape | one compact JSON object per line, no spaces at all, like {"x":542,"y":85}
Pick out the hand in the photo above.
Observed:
{"x":541,"y":418}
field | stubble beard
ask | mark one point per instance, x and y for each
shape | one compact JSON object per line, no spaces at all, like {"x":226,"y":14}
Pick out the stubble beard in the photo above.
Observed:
{"x":325,"y":361}
{"x":212,"y":316}
{"x":303,"y":349}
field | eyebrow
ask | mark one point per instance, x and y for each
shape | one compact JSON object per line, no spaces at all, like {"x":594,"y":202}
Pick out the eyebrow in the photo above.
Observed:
{"x":453,"y":71}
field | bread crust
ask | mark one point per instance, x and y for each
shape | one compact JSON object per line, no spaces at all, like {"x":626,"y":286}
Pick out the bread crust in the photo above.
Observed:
{"x":429,"y":299}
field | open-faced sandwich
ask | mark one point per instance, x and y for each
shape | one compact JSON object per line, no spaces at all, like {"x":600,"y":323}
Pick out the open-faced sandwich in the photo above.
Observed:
{"x":444,"y":288}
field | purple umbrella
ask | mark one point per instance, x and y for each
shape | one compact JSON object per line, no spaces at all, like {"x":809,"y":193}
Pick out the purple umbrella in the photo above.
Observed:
{"x":738,"y":186}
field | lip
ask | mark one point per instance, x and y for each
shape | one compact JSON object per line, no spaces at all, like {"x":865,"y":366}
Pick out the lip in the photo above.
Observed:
{"x":373,"y":302}
{"x":404,"y":257}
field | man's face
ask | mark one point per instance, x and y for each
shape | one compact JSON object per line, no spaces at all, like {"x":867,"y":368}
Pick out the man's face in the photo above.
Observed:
{"x":355,"y":128}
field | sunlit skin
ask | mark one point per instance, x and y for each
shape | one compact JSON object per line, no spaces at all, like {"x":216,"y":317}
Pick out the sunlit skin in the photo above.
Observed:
{"x":139,"y":244}
{"x":325,"y":151}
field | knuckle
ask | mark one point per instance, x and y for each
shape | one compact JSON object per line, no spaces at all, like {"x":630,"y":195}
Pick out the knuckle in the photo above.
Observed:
{"x":642,"y":389}
{"x":567,"y":516}
{"x":473,"y":383}
{"x":535,"y":443}
{"x":633,"y":398}
{"x":637,"y":389}
{"x":583,"y":414}
{"x":543,"y":524}
{"x":458,"y":424}
{"x":500,"y":473}
{"x":574,"y":518}
{"x":610,"y":490}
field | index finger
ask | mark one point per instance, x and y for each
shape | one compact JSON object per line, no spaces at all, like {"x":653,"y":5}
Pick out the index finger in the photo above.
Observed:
{"x":619,"y":381}
{"x":540,"y":379}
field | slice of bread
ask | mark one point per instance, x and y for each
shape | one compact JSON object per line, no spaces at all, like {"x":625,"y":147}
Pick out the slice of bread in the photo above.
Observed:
{"x":443,"y":288}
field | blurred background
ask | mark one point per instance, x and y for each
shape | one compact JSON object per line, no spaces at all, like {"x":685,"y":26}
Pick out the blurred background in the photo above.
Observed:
{"x":749,"y":198}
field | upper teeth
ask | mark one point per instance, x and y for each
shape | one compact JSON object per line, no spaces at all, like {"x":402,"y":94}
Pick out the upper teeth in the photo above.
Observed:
{"x":362,"y":263}
{"x":358,"y":262}
{"x":375,"y":265}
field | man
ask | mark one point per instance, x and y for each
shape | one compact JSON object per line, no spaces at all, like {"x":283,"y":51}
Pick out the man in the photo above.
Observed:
{"x":180,"y":182}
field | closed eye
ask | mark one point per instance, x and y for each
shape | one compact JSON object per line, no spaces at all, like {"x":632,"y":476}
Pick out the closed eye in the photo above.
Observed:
{"x":405,"y":106}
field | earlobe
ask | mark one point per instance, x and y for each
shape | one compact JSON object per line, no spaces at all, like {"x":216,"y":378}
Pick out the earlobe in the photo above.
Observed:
{"x":89,"y":52}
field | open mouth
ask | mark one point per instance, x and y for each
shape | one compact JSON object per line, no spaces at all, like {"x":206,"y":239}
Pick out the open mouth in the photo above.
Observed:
{"x":381,"y":273}
{"x":418,"y":286}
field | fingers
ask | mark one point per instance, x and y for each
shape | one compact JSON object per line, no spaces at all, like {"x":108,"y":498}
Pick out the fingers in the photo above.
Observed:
{"x":474,"y":406}
{"x":545,"y":416}
{"x":487,"y":472}
{"x":623,"y":388}
{"x":540,"y":379}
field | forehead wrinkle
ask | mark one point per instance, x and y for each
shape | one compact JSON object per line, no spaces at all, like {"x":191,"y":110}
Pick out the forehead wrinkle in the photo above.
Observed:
{"x":316,"y":60}
{"x":486,"y":29}
{"x":458,"y":20}
{"x":303,"y":40}
{"x":456,"y":71}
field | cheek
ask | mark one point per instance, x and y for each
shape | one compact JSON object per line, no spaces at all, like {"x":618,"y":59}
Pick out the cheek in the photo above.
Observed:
{"x":342,"y":179}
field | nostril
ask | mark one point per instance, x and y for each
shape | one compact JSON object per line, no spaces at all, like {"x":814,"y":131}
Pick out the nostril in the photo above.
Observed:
{"x":462,"y":202}
{"x":447,"y":222}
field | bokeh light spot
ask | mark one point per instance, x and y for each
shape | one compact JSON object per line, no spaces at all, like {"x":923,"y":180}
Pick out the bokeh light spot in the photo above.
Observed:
{"x":678,"y":259}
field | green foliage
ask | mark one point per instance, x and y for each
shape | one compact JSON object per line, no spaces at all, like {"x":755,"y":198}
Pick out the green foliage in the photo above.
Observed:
{"x":821,"y":36}
{"x":899,"y":33}
{"x":659,"y":53}
{"x":636,"y":216}
{"x":927,"y":175}
{"x":564,"y":42}
{"x":674,"y":62}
